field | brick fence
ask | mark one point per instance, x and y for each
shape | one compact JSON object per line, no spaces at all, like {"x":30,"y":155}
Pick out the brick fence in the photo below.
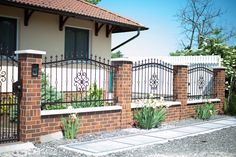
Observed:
{"x":35,"y":123}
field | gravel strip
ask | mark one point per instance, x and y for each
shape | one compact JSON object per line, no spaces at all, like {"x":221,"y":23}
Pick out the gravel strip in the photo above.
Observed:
{"x":221,"y":143}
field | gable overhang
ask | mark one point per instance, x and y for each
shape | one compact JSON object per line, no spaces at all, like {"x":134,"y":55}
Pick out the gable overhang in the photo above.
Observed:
{"x":117,"y":27}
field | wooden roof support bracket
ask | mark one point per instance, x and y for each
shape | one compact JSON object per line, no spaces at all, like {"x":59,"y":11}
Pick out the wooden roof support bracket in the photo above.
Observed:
{"x":62,"y":21}
{"x":98,"y":28}
{"x":27,"y":15}
{"x":109,"y":30}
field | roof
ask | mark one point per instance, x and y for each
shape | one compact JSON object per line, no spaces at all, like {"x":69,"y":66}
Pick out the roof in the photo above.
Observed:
{"x":79,"y":9}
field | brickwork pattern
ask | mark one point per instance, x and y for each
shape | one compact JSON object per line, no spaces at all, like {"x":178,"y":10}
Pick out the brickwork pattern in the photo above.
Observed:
{"x":180,"y":88}
{"x":123,"y":90}
{"x":30,"y":118}
{"x":219,"y":87}
{"x":89,"y":122}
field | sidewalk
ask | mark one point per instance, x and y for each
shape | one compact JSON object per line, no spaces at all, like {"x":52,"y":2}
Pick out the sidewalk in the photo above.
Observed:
{"x":117,"y":144}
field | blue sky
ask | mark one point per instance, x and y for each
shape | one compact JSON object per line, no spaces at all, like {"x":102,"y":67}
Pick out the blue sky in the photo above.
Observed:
{"x":164,"y":32}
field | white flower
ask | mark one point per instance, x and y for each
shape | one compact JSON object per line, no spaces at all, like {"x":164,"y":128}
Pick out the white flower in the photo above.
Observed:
{"x":69,"y":107}
{"x":162,"y":99}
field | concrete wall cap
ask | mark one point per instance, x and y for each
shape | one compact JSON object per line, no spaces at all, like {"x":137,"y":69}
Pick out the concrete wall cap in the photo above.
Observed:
{"x":223,"y":68}
{"x":121,"y":59}
{"x":183,"y":64}
{"x":29,"y":51}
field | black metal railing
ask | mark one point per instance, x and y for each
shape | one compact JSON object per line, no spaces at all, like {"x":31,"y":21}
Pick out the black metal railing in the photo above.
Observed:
{"x":152,"y":77}
{"x":200,"y":82}
{"x":9,"y":100}
{"x":84,"y":81}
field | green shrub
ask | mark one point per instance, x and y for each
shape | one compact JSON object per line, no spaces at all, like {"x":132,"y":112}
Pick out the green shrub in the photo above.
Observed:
{"x":149,"y":117}
{"x":92,"y":99}
{"x":50,"y":94}
{"x":205,"y":111}
{"x":70,"y":126}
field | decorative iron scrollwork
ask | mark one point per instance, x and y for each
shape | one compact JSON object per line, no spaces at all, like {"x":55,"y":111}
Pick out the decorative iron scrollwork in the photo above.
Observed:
{"x":201,"y":82}
{"x":154,"y":81}
{"x":81,"y":81}
{"x":2,"y":76}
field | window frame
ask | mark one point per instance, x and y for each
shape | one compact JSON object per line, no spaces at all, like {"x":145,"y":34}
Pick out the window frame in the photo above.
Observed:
{"x":89,"y":39}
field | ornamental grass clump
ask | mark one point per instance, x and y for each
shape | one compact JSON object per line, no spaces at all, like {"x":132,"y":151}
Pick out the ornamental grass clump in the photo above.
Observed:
{"x":152,"y":113}
{"x":70,"y":126}
{"x":206,"y":111}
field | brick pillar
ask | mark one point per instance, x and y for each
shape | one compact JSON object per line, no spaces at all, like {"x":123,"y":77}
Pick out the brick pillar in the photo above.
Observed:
{"x":123,"y":89}
{"x":219,"y":86}
{"x":180,"y":88}
{"x":30,"y":118}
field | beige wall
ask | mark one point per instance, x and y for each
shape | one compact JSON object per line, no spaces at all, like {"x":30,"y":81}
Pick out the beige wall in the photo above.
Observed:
{"x":43,"y":33}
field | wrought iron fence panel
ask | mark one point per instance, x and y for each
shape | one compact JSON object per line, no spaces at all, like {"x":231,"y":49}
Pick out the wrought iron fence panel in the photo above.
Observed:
{"x":152,"y":77}
{"x":200,"y":82}
{"x":84,"y":81}
{"x":9,"y":100}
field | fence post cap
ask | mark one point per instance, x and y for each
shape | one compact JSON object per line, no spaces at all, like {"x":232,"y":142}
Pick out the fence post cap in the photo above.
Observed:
{"x":29,"y":51}
{"x":121,"y":59}
{"x":182,"y":64}
{"x":219,"y":68}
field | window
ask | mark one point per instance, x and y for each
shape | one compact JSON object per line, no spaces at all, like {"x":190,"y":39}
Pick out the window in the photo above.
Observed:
{"x":8,"y":34}
{"x":76,"y":43}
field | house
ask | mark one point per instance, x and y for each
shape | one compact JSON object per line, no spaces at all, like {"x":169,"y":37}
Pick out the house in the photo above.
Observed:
{"x":61,"y":27}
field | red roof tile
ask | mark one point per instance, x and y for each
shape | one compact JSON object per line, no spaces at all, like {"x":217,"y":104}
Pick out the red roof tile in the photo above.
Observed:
{"x":82,"y":9}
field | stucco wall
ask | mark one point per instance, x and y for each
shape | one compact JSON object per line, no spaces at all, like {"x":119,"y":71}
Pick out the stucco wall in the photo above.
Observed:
{"x":43,"y":33}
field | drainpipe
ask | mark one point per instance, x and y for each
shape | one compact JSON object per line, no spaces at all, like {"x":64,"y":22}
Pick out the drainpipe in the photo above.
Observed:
{"x":125,"y":42}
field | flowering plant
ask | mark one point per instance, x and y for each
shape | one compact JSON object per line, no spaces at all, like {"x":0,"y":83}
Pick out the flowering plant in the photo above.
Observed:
{"x":205,"y":111}
{"x":70,"y":126}
{"x":151,"y":114}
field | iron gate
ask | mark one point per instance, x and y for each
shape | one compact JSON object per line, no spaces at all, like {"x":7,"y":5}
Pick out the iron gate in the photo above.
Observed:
{"x":9,"y":98}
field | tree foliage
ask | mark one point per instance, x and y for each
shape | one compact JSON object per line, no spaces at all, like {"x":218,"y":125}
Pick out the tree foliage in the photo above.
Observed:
{"x":93,"y":1}
{"x":117,"y":54}
{"x":198,"y":21}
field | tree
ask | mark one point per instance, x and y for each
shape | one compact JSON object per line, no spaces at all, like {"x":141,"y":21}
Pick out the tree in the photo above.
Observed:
{"x":197,"y":19}
{"x":93,"y":1}
{"x":117,"y":54}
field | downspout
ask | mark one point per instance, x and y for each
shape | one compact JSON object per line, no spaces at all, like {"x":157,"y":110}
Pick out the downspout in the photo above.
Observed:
{"x":125,"y":42}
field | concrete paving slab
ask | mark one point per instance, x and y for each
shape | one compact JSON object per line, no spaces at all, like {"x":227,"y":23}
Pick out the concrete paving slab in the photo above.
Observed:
{"x":97,"y":146}
{"x":225,"y":122}
{"x":16,"y":147}
{"x":211,"y":125}
{"x":167,"y":134}
{"x":191,"y":129}
{"x":138,"y":140}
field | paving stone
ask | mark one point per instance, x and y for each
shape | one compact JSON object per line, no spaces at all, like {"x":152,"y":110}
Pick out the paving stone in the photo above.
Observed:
{"x":98,"y":146}
{"x":225,"y":122}
{"x":139,"y":140}
{"x":210,"y":125}
{"x":191,"y":129}
{"x":168,"y":134}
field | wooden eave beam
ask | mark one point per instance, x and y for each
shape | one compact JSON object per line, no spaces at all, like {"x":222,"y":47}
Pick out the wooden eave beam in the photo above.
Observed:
{"x":27,"y":14}
{"x":98,"y":28}
{"x":109,"y":30}
{"x":62,"y":21}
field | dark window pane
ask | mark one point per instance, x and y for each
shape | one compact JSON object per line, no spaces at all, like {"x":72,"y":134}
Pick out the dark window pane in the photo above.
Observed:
{"x":8,"y":34}
{"x":76,"y":43}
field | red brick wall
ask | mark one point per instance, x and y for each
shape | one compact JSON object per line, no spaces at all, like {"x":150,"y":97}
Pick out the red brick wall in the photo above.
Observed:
{"x":30,"y":119}
{"x":89,"y":122}
{"x":219,"y":86}
{"x":180,"y":89}
{"x":123,"y":90}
